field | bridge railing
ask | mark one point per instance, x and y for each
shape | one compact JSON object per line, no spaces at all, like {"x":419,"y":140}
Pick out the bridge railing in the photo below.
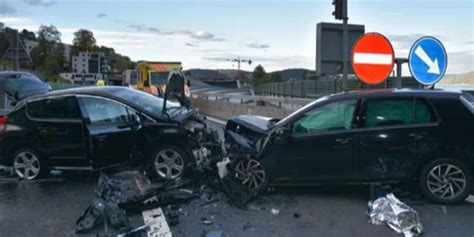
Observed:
{"x":319,"y":88}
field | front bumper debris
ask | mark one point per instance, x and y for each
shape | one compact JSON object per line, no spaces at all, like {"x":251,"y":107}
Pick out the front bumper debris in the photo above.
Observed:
{"x":396,"y":214}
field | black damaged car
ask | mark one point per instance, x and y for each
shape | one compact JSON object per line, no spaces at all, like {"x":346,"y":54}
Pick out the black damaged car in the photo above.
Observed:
{"x":363,"y":137}
{"x":93,"y":128}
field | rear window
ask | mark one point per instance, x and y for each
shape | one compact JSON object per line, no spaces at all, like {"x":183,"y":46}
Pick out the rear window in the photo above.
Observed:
{"x":56,"y":108}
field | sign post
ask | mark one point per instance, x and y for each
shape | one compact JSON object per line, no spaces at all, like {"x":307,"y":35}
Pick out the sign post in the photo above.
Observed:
{"x":373,"y":58}
{"x":428,"y":60}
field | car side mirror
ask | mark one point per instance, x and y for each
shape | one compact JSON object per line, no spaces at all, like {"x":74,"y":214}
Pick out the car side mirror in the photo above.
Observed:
{"x":135,"y":121}
{"x":281,"y":134}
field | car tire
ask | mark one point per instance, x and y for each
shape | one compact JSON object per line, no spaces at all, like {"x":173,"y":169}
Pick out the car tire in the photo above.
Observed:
{"x":252,"y":174}
{"x":29,"y":165}
{"x":169,"y":163}
{"x":445,"y":181}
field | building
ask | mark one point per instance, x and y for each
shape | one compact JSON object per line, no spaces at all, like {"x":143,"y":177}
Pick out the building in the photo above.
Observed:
{"x":87,"y":62}
{"x":83,"y":78}
{"x":87,"y":67}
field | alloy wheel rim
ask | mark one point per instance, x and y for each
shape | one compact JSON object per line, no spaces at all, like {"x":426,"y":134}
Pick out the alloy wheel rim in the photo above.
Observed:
{"x":26,"y":165}
{"x":251,"y":173}
{"x":169,"y":164}
{"x":446,"y":181}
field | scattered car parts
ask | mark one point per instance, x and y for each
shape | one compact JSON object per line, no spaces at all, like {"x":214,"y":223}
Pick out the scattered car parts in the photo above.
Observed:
{"x":396,"y":214}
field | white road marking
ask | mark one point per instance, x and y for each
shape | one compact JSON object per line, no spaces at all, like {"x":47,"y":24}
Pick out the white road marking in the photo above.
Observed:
{"x":222,"y":122}
{"x":373,"y":58}
{"x":158,"y":225}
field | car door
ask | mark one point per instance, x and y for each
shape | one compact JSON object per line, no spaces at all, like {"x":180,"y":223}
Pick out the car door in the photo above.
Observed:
{"x":395,"y":135}
{"x":111,"y":135}
{"x":58,"y":130}
{"x":321,"y":144}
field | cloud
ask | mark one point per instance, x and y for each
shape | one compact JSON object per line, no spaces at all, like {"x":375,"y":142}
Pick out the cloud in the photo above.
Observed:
{"x":6,"y":8}
{"x":154,"y":30}
{"x":137,"y":27}
{"x":203,"y":35}
{"x":101,"y":15}
{"x":407,"y":40}
{"x":460,"y":61}
{"x":258,"y":46}
{"x":42,"y":3}
{"x":189,"y":44}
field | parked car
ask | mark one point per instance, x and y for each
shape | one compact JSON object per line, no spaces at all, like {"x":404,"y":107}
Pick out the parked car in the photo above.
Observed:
{"x":92,"y":128}
{"x":364,"y":137}
{"x":20,"y":85}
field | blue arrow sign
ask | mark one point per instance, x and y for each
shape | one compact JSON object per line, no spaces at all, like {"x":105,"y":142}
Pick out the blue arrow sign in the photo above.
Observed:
{"x":428,"y":60}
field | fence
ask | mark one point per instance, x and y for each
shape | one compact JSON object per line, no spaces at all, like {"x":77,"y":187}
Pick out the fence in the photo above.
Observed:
{"x":322,"y":87}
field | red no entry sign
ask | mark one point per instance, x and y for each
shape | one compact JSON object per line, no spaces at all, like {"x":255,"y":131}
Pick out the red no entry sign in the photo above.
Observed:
{"x":372,"y":58}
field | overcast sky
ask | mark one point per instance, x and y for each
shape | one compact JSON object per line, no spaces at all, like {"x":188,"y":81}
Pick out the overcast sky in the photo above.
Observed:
{"x":277,"y":34}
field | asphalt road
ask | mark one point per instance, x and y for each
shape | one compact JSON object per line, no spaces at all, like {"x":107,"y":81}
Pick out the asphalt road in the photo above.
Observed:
{"x":50,"y":207}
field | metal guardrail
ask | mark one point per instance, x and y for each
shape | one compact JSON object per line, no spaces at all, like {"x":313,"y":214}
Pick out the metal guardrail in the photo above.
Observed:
{"x":319,"y":88}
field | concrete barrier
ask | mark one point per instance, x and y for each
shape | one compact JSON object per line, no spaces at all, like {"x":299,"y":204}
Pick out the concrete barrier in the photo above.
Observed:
{"x":225,"y":111}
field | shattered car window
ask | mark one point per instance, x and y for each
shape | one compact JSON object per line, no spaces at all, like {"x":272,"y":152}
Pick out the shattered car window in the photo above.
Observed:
{"x":328,"y":117}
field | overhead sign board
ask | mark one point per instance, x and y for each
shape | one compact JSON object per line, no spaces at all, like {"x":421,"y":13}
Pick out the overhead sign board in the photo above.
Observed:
{"x":428,"y":60}
{"x":329,"y":50}
{"x":373,"y":58}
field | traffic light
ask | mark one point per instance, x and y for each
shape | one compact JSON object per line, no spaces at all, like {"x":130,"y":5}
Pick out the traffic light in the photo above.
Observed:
{"x":338,"y":9}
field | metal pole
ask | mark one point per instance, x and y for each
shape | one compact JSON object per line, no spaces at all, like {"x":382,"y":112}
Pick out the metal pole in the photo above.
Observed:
{"x":398,"y":82}
{"x":399,"y":62}
{"x":16,"y":64}
{"x":345,"y":46}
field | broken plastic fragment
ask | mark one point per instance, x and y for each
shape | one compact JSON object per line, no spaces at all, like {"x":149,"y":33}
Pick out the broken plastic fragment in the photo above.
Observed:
{"x":222,"y":167}
{"x":396,"y":214}
{"x":275,"y":212}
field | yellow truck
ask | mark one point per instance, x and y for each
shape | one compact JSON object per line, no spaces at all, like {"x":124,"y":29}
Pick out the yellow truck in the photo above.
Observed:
{"x":151,"y":77}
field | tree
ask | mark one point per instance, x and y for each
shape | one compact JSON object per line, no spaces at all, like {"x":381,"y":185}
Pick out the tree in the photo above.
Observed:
{"x":27,"y":35}
{"x":84,"y":41}
{"x":276,"y":77}
{"x":48,"y":57}
{"x":258,"y":73}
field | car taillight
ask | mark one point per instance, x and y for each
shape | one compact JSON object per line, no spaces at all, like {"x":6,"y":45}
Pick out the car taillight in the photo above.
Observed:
{"x":3,"y":120}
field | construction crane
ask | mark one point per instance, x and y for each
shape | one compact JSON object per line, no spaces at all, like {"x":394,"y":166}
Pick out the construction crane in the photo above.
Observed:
{"x":16,"y":51}
{"x":238,"y":60}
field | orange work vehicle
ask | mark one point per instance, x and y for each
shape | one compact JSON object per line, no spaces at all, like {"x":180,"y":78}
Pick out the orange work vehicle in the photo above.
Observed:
{"x":151,"y":77}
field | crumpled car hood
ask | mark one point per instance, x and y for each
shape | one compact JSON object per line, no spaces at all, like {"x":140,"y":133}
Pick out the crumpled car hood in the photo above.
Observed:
{"x":255,"y":123}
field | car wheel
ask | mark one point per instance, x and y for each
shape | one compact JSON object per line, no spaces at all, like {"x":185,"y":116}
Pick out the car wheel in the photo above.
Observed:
{"x":445,"y":181}
{"x":170,"y":162}
{"x":252,"y":174}
{"x":28,"y":165}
